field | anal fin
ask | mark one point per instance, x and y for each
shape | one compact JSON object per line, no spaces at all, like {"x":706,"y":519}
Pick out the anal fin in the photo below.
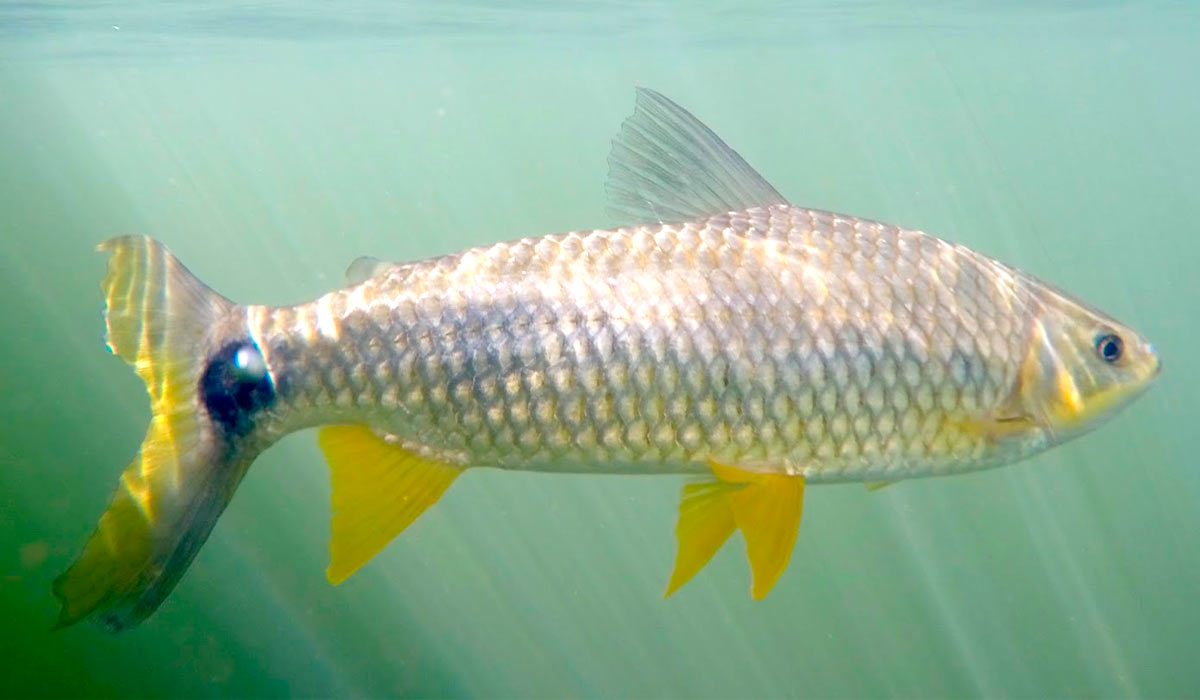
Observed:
{"x":765,"y":507}
{"x":379,"y":489}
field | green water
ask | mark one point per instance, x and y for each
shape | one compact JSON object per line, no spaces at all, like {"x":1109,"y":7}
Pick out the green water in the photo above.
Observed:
{"x":269,"y":146}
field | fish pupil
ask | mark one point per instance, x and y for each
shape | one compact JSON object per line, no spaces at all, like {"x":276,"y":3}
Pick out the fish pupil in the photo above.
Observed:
{"x":1109,"y":347}
{"x":236,"y":386}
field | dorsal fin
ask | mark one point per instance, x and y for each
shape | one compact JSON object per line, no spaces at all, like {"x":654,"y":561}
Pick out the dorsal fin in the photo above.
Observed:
{"x":363,"y":269}
{"x":667,"y":166}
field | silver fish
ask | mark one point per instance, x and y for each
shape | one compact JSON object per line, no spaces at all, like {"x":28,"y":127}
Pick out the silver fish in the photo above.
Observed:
{"x":725,"y":334}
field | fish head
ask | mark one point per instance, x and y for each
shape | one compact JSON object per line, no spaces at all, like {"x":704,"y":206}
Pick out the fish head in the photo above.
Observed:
{"x":1082,"y":367}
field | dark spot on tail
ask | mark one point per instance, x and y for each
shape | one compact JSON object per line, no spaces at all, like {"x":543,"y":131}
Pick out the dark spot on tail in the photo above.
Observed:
{"x":236,"y":385}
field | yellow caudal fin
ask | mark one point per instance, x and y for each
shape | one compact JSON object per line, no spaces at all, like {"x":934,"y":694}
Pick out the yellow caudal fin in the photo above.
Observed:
{"x":379,"y":489}
{"x":765,"y":507}
{"x":159,"y":319}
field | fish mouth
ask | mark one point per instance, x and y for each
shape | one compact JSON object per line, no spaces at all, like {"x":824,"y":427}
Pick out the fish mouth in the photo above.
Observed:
{"x":1103,"y":407}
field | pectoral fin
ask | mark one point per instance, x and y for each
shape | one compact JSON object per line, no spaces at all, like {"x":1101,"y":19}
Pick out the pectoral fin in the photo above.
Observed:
{"x":379,"y":489}
{"x":765,"y":507}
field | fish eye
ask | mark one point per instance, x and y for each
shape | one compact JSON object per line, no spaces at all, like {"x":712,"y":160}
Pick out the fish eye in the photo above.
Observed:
{"x":1109,"y":347}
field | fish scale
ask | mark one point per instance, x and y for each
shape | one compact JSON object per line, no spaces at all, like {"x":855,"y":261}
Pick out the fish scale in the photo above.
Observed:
{"x":780,"y":337}
{"x":723,"y":333}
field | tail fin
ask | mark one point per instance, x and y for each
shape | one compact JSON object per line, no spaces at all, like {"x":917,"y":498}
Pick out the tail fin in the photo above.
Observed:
{"x":161,"y":320}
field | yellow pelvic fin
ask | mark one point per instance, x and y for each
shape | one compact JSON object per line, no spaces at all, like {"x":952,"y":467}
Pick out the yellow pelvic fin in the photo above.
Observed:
{"x":378,"y":490}
{"x":765,"y":507}
{"x":876,"y":485}
{"x":705,"y":522}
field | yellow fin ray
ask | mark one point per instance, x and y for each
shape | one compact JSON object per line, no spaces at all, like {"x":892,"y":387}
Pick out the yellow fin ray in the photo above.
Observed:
{"x":705,"y":522}
{"x":765,"y":507}
{"x":379,"y":489}
{"x":767,"y":512}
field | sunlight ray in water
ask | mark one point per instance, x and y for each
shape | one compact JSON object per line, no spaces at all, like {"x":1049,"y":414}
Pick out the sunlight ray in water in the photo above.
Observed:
{"x":269,"y":145}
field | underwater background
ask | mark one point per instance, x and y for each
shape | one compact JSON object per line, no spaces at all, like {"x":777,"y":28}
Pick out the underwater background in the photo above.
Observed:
{"x":270,"y":144}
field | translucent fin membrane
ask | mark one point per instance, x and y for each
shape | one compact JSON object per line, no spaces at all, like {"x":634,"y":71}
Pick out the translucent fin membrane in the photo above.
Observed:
{"x":667,"y":166}
{"x":157,"y":315}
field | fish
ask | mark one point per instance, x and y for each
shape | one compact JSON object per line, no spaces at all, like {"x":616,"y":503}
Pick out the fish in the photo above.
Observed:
{"x":752,"y":346}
